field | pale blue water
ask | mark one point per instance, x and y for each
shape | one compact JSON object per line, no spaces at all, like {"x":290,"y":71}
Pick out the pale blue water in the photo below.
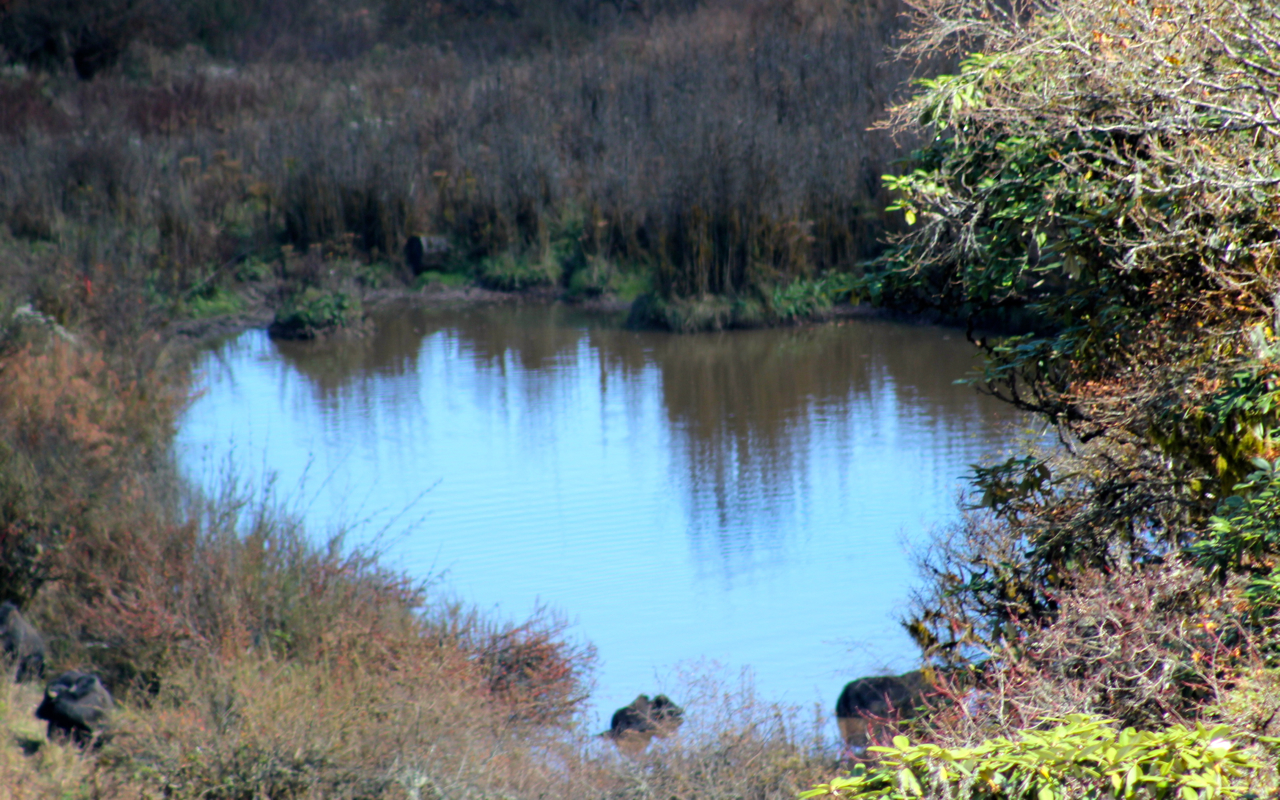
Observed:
{"x":742,"y":497}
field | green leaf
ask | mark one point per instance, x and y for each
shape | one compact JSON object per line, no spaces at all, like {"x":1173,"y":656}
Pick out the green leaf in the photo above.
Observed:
{"x":910,"y":784}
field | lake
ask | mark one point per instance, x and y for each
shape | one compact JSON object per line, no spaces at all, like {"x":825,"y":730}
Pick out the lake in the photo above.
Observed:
{"x":744,"y":497}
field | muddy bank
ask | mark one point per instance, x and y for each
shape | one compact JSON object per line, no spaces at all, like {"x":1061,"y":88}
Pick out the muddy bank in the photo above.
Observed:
{"x":196,"y":332}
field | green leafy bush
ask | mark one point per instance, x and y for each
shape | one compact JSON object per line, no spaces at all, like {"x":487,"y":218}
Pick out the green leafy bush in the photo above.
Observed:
{"x":1099,"y":169}
{"x":315,"y":312}
{"x":1082,"y":757}
{"x":1244,"y":536}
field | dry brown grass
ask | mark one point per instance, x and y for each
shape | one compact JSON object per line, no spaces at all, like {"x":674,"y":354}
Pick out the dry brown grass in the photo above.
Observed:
{"x":255,"y":726}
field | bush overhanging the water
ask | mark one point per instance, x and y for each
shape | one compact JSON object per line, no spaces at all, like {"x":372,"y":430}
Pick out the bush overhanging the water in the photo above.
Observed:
{"x":1104,"y":177}
{"x":1110,"y":169}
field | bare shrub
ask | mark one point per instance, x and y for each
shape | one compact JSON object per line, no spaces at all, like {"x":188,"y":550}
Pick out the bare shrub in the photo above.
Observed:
{"x":532,"y":668}
{"x":1148,"y":647}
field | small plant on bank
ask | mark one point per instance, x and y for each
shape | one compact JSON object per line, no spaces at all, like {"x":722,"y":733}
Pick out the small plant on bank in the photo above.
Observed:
{"x":806,"y":298}
{"x":593,"y":279}
{"x":602,"y":277}
{"x":443,"y":279}
{"x":511,"y":273}
{"x":316,"y":312}
{"x":214,"y":302}
{"x":253,"y":270}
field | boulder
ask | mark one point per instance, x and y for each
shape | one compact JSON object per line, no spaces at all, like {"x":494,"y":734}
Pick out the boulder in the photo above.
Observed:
{"x":422,"y":253}
{"x":76,"y":706}
{"x":634,"y":726}
{"x":878,"y":699}
{"x":22,"y":645}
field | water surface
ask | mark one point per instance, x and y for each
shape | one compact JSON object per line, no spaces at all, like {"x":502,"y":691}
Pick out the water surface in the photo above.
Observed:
{"x":742,"y":497}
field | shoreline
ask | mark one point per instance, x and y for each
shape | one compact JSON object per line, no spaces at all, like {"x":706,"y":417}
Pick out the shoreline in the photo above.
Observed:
{"x":198,"y":332}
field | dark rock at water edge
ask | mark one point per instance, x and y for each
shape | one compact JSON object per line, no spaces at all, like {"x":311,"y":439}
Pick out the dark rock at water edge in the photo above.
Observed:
{"x":634,"y":725}
{"x":877,"y":698}
{"x":422,"y":253}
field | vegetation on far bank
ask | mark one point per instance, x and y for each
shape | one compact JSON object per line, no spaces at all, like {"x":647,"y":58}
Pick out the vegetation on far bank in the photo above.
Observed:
{"x":691,"y":151}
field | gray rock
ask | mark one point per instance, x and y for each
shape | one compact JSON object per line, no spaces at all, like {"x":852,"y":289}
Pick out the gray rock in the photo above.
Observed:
{"x":76,"y":706}
{"x":879,"y":698}
{"x":424,"y":252}
{"x":21,"y":643}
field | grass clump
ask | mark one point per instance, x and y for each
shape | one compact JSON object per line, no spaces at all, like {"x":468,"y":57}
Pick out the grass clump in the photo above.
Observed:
{"x":683,"y":315}
{"x":799,"y":300}
{"x":217,"y":301}
{"x":511,"y":273}
{"x":315,"y":312}
{"x":451,"y":280}
{"x":600,"y":277}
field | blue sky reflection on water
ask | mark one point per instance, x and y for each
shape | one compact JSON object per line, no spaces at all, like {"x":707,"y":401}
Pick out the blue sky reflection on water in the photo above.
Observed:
{"x":741,"y":497}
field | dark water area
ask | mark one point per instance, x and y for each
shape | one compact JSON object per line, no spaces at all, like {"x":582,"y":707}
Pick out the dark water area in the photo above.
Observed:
{"x":743,"y":497}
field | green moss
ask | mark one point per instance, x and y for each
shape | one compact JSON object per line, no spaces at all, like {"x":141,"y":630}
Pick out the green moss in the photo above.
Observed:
{"x":315,"y":312}
{"x":433,"y":278}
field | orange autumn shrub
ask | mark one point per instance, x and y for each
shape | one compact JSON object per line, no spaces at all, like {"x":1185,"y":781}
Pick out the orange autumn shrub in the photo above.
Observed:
{"x":77,"y":440}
